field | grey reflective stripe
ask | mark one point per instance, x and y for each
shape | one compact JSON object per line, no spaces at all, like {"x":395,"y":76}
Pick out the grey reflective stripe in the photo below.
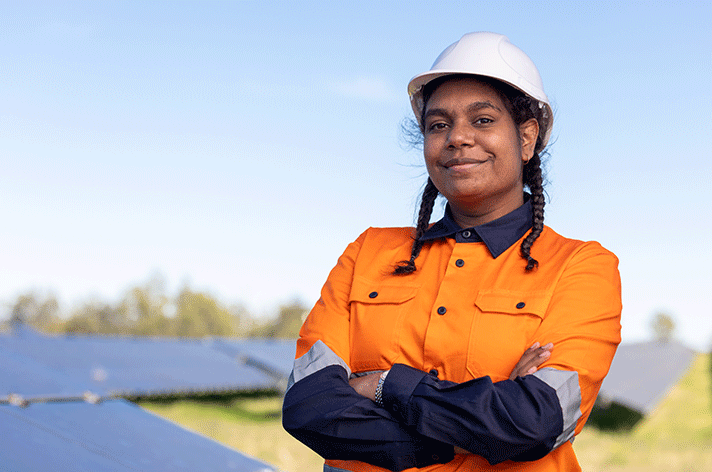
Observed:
{"x":328,"y":468}
{"x":567,"y":389}
{"x":361,"y":374}
{"x":318,"y":357}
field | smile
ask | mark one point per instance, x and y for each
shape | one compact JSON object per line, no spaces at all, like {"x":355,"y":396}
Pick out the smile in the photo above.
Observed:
{"x":459,"y":163}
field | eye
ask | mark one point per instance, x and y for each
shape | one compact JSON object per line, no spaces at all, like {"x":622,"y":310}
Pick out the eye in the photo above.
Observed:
{"x":483,"y":120}
{"x":437,"y":126}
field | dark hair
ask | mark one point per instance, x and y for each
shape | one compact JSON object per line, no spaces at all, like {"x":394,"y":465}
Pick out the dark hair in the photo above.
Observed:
{"x":521,"y":108}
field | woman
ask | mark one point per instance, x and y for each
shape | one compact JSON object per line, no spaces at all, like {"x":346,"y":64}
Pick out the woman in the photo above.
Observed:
{"x":424,"y":348}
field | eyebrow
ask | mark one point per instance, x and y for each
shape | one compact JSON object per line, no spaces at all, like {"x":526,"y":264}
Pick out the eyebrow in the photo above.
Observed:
{"x":472,"y":107}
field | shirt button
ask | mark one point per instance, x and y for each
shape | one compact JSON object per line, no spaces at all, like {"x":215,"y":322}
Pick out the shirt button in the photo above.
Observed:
{"x":521,"y":305}
{"x":434,"y":372}
{"x":466,"y":234}
{"x":436,"y":457}
{"x":459,"y":263}
{"x":442,"y":310}
{"x":373,"y":295}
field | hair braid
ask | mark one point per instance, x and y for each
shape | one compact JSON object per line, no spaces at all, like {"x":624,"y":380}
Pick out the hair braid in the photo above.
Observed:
{"x":534,"y":180}
{"x":430,"y":193}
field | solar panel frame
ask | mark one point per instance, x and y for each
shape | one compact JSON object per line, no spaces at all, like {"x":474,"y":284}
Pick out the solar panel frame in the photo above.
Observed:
{"x":276,"y":355}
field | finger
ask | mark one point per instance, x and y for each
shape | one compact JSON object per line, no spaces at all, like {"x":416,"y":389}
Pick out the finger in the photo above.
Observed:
{"x":529,"y":364}
{"x":531,"y":355}
{"x":539,"y":358}
{"x":534,"y":356}
{"x":525,"y":362}
{"x":532,"y":366}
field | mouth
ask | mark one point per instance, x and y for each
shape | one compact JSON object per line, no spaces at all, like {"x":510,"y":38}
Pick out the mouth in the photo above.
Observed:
{"x":459,"y":162}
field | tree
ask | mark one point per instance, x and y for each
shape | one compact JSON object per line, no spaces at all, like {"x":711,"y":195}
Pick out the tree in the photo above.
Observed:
{"x":288,"y":322}
{"x":40,"y":313}
{"x":95,"y":316}
{"x":199,"y":314}
{"x":140,"y":312}
{"x":144,"y":308}
{"x":663,"y":327}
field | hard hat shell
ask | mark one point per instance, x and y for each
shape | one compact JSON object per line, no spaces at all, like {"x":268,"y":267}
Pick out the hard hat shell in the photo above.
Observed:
{"x":489,"y":55}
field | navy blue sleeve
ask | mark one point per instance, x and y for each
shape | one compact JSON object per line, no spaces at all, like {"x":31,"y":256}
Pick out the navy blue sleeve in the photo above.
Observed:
{"x":518,"y":419}
{"x":324,"y":412}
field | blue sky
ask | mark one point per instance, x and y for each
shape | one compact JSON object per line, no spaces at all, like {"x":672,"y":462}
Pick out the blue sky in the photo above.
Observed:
{"x":240,"y":146}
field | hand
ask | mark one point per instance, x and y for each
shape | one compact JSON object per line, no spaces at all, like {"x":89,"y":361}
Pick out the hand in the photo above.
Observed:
{"x":366,"y":385}
{"x":531,"y":360}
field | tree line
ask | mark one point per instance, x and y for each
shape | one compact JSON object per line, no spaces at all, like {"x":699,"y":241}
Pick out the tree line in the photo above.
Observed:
{"x":146,"y":310}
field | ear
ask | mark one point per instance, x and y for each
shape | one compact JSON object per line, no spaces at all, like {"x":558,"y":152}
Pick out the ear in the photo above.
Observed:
{"x":528,"y":132}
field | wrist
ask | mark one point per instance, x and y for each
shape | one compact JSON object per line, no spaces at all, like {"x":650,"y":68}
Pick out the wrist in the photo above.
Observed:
{"x":379,"y":388}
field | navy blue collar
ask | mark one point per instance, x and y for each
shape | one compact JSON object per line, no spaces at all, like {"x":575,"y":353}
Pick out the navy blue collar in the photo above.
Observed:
{"x":498,"y":235}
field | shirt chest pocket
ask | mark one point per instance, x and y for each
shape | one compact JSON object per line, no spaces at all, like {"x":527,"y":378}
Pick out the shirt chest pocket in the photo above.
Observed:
{"x":503,"y":328}
{"x":377,"y":315}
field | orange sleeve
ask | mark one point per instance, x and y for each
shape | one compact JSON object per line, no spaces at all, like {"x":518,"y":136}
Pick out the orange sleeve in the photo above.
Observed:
{"x":329,"y":319}
{"x":583,"y":321}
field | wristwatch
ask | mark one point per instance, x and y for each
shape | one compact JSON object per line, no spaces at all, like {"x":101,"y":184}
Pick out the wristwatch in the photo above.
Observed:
{"x":379,"y":387}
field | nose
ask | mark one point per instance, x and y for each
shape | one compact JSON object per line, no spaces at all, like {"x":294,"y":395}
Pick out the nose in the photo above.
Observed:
{"x":461,"y":134}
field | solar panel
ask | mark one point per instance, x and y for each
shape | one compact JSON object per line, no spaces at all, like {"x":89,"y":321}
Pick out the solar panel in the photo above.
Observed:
{"x":275,"y":355}
{"x":641,"y":374}
{"x":57,"y":430}
{"x":22,"y":375}
{"x":112,"y":436}
{"x":121,"y":366}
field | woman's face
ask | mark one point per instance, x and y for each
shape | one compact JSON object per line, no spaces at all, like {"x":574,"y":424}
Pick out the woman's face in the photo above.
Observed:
{"x":474,"y":152}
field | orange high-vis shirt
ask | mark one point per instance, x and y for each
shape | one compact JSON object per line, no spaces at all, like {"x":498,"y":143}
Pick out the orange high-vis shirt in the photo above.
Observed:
{"x":451,"y":333}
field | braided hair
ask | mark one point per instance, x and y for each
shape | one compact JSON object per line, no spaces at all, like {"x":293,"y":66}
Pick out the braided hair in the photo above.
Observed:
{"x":430,"y":193}
{"x":521,"y":108}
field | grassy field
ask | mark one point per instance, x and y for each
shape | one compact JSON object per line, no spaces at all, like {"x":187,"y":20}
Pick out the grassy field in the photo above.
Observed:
{"x":676,"y":437}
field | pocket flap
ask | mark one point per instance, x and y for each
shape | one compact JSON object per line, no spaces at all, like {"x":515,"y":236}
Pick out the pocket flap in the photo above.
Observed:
{"x":513,"y":302}
{"x":367,"y":291}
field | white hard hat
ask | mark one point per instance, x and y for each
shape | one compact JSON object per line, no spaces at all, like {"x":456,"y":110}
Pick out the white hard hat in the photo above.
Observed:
{"x":489,"y":55}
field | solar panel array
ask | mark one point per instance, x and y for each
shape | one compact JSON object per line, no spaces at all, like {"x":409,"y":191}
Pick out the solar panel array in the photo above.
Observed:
{"x":641,"y":374}
{"x":60,"y":405}
{"x":115,"y":436}
{"x":33,"y":365}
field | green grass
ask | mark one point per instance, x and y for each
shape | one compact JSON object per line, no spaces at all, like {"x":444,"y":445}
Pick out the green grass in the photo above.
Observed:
{"x":676,"y":437}
{"x":251,"y":425}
